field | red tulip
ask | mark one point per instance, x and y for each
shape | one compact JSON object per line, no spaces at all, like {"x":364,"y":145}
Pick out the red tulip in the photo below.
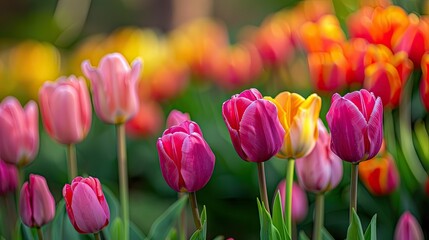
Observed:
{"x":147,"y":121}
{"x":424,"y":83}
{"x":408,"y":228}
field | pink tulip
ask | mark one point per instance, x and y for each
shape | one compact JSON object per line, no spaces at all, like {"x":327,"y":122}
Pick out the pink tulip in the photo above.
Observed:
{"x":253,"y":125}
{"x":408,"y":228}
{"x":114,"y":87}
{"x":19,"y":132}
{"x":66,"y":109}
{"x":8,"y":178}
{"x":299,"y":201}
{"x":356,"y":123}
{"x":321,"y":170}
{"x":186,"y":159}
{"x":36,"y":203}
{"x":176,"y":117}
{"x":86,"y":205}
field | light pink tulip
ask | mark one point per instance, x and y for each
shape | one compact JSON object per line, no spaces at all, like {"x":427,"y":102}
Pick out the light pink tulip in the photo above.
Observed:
{"x":114,"y":87}
{"x":66,"y":109}
{"x":321,"y":170}
{"x":299,"y":200}
{"x":19,"y":132}
{"x":36,"y":203}
{"x":408,"y":228}
{"x":8,"y":178}
{"x":176,"y":117}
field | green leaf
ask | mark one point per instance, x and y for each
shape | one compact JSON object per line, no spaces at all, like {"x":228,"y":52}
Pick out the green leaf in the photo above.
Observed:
{"x":371,"y":230}
{"x":355,"y":231}
{"x":61,"y":227}
{"x":116,"y":229}
{"x":219,"y":238}
{"x":25,"y":232}
{"x":303,"y":236}
{"x":326,"y":235}
{"x":278,"y":219}
{"x":135,"y":233}
{"x":268,"y":230}
{"x":162,"y":226}
{"x":201,"y":234}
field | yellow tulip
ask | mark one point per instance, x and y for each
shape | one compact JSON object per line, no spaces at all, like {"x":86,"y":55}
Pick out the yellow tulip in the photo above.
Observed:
{"x":298,"y":117}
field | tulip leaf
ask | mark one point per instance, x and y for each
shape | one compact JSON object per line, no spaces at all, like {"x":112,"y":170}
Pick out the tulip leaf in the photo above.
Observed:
{"x":113,"y":203}
{"x":135,"y":233}
{"x":371,"y":230}
{"x":326,"y":235}
{"x":303,"y":236}
{"x":268,"y":230}
{"x":201,"y":234}
{"x":25,"y":233}
{"x":278,"y":219}
{"x":116,"y":229}
{"x":61,"y":228}
{"x":162,"y":226}
{"x":355,"y":231}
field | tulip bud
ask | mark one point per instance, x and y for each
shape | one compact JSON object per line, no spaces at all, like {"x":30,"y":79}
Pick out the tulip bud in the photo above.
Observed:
{"x":298,"y":116}
{"x":86,"y":205}
{"x":36,"y":203}
{"x":356,"y":123}
{"x":299,"y":201}
{"x":66,"y":109}
{"x":177,"y":117}
{"x":8,"y":178}
{"x":321,"y":170}
{"x":19,"y":132}
{"x":186,"y":159}
{"x":253,"y":125}
{"x":114,"y":87}
{"x":408,"y":228}
{"x":424,"y":83}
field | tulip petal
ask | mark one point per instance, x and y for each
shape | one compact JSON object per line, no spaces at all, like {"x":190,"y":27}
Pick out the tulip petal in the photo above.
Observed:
{"x":251,"y":94}
{"x":42,"y":201}
{"x":363,"y":100}
{"x":375,"y":129}
{"x":25,"y":210}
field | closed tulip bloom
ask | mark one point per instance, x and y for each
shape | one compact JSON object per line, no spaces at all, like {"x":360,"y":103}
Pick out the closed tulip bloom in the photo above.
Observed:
{"x":299,"y":201}
{"x":321,"y":170}
{"x":356,"y":123}
{"x":66,"y":109}
{"x":298,"y":116}
{"x":186,"y":160}
{"x":424,"y":83}
{"x":176,"y":117}
{"x":8,"y":178}
{"x":36,"y":203}
{"x":114,"y":87}
{"x":253,"y":125}
{"x":86,"y":205}
{"x":19,"y":132}
{"x":408,"y":228}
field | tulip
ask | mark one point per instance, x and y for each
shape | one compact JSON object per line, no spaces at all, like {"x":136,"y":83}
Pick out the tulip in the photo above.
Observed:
{"x":86,"y":205}
{"x":380,"y":175}
{"x":19,"y":132}
{"x":298,"y":116}
{"x":66,"y":109}
{"x":186,"y":159}
{"x":8,"y":178}
{"x":424,"y":83}
{"x":355,"y":52}
{"x":252,"y":122}
{"x":114,"y":87}
{"x":299,"y":201}
{"x":177,"y":117}
{"x":36,"y":203}
{"x":147,"y":121}
{"x":321,"y":170}
{"x":356,"y":123}
{"x":408,"y":228}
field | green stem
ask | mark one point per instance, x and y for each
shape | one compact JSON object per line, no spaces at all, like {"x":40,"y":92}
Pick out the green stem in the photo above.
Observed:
{"x":97,"y":236}
{"x":319,"y":213}
{"x":288,"y":191}
{"x":182,"y":222}
{"x":71,"y":161}
{"x":123,"y":177}
{"x":353,"y":189}
{"x":39,"y":233}
{"x":263,"y":186}
{"x":195,"y":212}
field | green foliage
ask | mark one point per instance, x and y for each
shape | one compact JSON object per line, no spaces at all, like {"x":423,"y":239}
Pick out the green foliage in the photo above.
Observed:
{"x":371,"y":231}
{"x":201,"y":234}
{"x":303,"y":236}
{"x":268,"y":230}
{"x":278,"y":220}
{"x":355,"y":231}
{"x":326,"y":235}
{"x":116,"y":229}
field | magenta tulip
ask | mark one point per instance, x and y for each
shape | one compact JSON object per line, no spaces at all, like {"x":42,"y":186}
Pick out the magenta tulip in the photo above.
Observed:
{"x":186,"y":159}
{"x":114,"y":87}
{"x":86,"y":205}
{"x":66,"y":109}
{"x":356,"y":123}
{"x":8,"y":178}
{"x":19,"y":132}
{"x":299,"y":201}
{"x":176,"y":117}
{"x":253,"y":125}
{"x":321,"y":170}
{"x":36,"y":203}
{"x":408,"y":228}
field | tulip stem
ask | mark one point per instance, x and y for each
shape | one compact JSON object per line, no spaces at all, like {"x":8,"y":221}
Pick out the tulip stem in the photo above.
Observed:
{"x":195,"y":212}
{"x":263,"y":186}
{"x":123,"y":177}
{"x":39,"y":233}
{"x":288,"y":191}
{"x":353,"y":189}
{"x":182,"y":222}
{"x":318,"y":221}
{"x":71,"y":161}
{"x":97,"y":236}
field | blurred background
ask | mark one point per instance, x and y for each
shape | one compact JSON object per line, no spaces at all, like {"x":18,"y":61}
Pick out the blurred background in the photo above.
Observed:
{"x":197,"y":53}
